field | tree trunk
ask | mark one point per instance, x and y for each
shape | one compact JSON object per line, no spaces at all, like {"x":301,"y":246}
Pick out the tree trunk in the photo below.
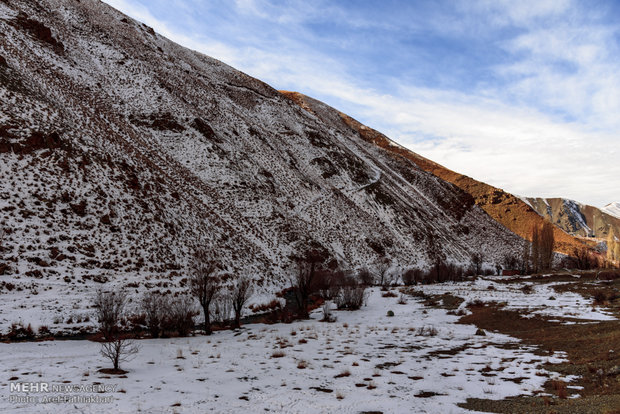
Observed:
{"x":208,"y":330}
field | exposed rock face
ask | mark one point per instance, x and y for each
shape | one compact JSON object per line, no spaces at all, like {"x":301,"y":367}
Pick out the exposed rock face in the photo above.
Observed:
{"x":507,"y":209}
{"x":576,"y":218}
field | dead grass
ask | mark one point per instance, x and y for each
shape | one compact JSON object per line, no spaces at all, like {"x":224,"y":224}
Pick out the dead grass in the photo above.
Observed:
{"x":592,"y":349}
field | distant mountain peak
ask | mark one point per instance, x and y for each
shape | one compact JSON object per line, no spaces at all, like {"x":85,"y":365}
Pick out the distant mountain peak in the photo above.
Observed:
{"x":613,"y":209}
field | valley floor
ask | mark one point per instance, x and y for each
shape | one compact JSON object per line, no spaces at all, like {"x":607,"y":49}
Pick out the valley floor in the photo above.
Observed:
{"x":421,"y":360}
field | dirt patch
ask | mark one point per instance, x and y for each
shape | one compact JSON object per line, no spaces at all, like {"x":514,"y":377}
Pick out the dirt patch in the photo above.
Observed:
{"x":593,"y":351}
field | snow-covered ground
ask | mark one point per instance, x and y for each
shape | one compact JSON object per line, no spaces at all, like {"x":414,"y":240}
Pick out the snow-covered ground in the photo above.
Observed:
{"x":529,"y":297}
{"x":393,"y":367}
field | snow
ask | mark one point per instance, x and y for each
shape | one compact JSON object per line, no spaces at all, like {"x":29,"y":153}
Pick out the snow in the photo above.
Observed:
{"x":539,"y":299}
{"x":213,"y":374}
{"x":613,"y":209}
{"x":256,"y":190}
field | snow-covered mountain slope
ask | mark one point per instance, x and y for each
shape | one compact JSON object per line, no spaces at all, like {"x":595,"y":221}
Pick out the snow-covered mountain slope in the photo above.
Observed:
{"x":120,"y":152}
{"x":613,"y":209}
{"x":576,"y":218}
{"x":509,"y":210}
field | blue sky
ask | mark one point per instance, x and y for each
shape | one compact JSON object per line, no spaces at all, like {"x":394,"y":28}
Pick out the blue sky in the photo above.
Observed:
{"x":524,"y":95}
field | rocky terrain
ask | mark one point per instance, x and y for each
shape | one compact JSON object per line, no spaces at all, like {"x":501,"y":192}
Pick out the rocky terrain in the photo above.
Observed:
{"x":121,"y":151}
{"x":509,"y":210}
{"x":576,"y":218}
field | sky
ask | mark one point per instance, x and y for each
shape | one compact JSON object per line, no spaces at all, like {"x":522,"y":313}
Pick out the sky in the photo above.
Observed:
{"x":523,"y":95}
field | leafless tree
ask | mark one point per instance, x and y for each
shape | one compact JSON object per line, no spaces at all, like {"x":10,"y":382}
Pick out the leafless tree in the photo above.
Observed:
{"x":204,"y":284}
{"x":366,"y":277}
{"x":303,"y":279}
{"x":383,"y":266}
{"x":182,"y":312}
{"x":536,"y":264}
{"x":119,"y":350}
{"x":156,"y":309}
{"x":109,"y":308}
{"x":239,"y":297}
{"x":222,"y":307}
{"x":476,"y":260}
{"x":547,"y":244}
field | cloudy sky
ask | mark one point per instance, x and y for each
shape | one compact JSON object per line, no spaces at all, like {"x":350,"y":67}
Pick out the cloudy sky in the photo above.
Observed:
{"x":524,"y":95}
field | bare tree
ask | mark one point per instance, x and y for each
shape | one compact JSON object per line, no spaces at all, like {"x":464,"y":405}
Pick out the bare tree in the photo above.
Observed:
{"x":525,"y":258}
{"x":383,"y":266}
{"x":304,"y":278}
{"x":476,"y":260}
{"x":119,"y":350}
{"x":222,"y":306}
{"x":239,"y":297}
{"x":536,"y":263}
{"x":182,"y":312}
{"x":366,"y":277}
{"x":204,"y":284}
{"x":156,"y":309}
{"x":547,"y":244}
{"x":109,"y":307}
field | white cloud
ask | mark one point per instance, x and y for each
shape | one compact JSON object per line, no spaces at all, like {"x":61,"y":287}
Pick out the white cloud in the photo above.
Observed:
{"x":550,"y":129}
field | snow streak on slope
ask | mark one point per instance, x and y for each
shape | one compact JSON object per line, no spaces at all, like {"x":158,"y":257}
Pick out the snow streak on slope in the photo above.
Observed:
{"x":120,"y":152}
{"x":613,"y":209}
{"x":576,"y":218}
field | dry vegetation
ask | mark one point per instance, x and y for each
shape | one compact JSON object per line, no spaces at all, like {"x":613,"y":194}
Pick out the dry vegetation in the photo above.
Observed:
{"x":593,"y":351}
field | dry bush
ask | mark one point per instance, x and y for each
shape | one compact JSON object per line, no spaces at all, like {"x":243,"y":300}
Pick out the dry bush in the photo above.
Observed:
{"x":155,"y":308}
{"x":365,"y":276}
{"x":559,"y":387}
{"x":412,"y":276}
{"x":428,"y":330}
{"x":181,"y":317}
{"x":109,"y":309}
{"x":278,"y":354}
{"x":351,"y":297}
{"x":389,"y":294}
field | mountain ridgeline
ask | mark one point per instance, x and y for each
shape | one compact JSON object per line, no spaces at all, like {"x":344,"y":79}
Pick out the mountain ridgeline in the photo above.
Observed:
{"x":122,"y":151}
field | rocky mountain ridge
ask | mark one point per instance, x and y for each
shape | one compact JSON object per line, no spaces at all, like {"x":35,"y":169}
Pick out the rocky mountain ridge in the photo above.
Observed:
{"x":121,"y":152}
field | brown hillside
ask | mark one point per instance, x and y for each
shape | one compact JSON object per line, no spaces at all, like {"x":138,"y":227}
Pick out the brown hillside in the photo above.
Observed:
{"x":503,"y":207}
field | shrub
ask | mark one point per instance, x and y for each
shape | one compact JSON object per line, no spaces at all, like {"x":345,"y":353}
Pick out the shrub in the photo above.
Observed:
{"x":18,"y":332}
{"x":155,"y":308}
{"x":527,"y":289}
{"x":366,"y":277}
{"x":412,"y":276}
{"x":351,"y":297}
{"x":560,"y":388}
{"x":181,"y":317}
{"x":428,"y":330}
{"x":390,"y":313}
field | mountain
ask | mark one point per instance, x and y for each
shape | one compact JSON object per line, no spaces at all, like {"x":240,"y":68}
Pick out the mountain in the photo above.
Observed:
{"x":121,"y":152}
{"x":576,"y":218}
{"x":507,"y":209}
{"x":613,"y":209}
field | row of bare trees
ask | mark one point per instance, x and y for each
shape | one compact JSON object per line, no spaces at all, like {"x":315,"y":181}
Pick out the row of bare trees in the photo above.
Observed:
{"x":205,"y":285}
